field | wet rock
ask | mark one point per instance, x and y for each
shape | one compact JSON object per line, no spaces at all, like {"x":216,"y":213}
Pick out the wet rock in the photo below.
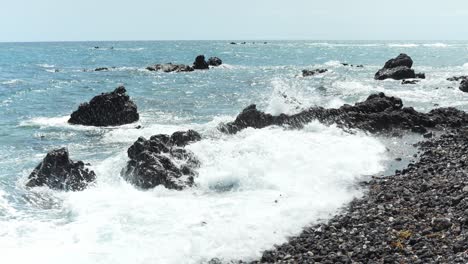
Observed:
{"x":376,"y":114}
{"x":214,"y":61}
{"x":162,"y":160}
{"x":398,"y":68}
{"x":233,"y":43}
{"x":57,"y":171}
{"x":409,"y":81}
{"x":306,"y":73}
{"x":169,"y":67}
{"x":397,"y":73}
{"x":464,"y":86}
{"x":421,"y":75}
{"x":107,"y":109}
{"x":101,"y":69}
{"x":200,"y":63}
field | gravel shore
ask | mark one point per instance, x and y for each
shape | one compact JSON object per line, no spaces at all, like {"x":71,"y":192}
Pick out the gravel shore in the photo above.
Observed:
{"x":418,"y":215}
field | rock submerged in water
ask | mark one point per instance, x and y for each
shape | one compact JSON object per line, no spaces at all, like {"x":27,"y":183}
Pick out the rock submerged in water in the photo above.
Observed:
{"x":162,"y":160}
{"x":107,"y":109}
{"x":214,"y":61}
{"x":398,"y":68}
{"x":169,"y":67}
{"x":409,"y":81}
{"x":57,"y":171}
{"x":377,"y":113}
{"x":306,"y":73}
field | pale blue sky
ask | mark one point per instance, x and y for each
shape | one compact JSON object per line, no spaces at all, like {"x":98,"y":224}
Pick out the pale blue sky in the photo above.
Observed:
{"x":68,"y":20}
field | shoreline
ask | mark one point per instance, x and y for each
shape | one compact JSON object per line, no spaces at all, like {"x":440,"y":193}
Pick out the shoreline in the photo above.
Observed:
{"x":417,"y":215}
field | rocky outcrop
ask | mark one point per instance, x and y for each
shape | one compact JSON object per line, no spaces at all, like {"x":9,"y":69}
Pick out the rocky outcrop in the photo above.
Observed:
{"x":214,"y":61}
{"x":162,"y":160}
{"x":398,"y":68}
{"x":306,"y":73}
{"x":57,"y":171}
{"x":200,"y":63}
{"x":107,"y":109}
{"x":464,"y":86}
{"x":169,"y":67}
{"x":377,"y":113}
{"x":457,"y":78}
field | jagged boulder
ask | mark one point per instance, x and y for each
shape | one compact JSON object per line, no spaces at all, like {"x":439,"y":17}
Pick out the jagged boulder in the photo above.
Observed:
{"x":169,"y":67}
{"x":214,"y":61}
{"x":200,"y":63}
{"x":162,"y":160}
{"x":59,"y":172}
{"x":107,"y":109}
{"x":306,"y":73}
{"x":398,"y":68}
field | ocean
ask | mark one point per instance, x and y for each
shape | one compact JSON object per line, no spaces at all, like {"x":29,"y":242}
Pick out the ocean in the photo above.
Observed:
{"x":254,"y":189}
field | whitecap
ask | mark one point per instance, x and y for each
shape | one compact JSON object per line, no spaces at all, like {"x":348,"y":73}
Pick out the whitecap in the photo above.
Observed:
{"x":407,"y":45}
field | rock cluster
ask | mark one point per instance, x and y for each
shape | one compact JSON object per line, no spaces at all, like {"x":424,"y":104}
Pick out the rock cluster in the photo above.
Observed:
{"x":59,"y":172}
{"x":199,"y":64}
{"x":463,"y":84}
{"x":306,"y":73}
{"x":418,"y":215}
{"x":398,"y":68}
{"x":377,"y":113}
{"x":108,"y":109}
{"x":162,"y":160}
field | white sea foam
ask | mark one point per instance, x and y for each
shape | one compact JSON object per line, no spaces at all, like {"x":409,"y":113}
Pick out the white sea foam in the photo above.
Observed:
{"x":436,"y":45}
{"x":254,"y":189}
{"x":405,"y":45}
{"x":13,"y":82}
{"x":45,"y":65}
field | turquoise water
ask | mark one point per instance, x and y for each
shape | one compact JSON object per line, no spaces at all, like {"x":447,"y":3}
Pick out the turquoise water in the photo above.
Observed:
{"x":42,"y":83}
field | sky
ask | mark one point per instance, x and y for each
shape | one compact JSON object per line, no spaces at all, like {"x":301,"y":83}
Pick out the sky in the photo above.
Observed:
{"x":81,"y":20}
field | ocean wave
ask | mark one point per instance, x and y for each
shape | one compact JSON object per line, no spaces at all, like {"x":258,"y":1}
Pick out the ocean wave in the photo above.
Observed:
{"x":13,"y":82}
{"x":45,"y":65}
{"x":436,"y":45}
{"x":406,"y":45}
{"x":326,"y":44}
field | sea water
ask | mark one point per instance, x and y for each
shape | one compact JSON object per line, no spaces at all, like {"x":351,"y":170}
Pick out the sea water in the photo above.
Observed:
{"x":254,"y":188}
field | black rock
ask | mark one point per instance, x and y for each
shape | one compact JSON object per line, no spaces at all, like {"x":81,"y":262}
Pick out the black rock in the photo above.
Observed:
{"x":421,"y":75}
{"x":439,"y":224}
{"x":400,"y":60}
{"x":169,"y":67}
{"x":398,"y":68}
{"x":214,"y":61}
{"x":59,"y":172}
{"x":200,"y":63}
{"x":107,"y":109}
{"x":464,"y":86}
{"x":162,"y":160}
{"x":101,"y":69}
{"x":306,"y":73}
{"x":233,"y":43}
{"x":409,"y":81}
{"x":398,"y":73}
{"x":457,"y":78}
{"x":377,"y":113}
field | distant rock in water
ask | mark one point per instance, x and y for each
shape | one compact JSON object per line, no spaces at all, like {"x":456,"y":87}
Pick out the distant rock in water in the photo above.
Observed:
{"x":169,"y":67}
{"x":306,"y":73}
{"x":398,"y":68}
{"x":457,"y":78}
{"x":352,"y":65}
{"x":200,"y":63}
{"x":377,"y":113}
{"x":233,"y":43}
{"x":162,"y":160}
{"x":59,"y":172}
{"x":409,"y":81}
{"x":101,"y":69}
{"x":214,"y":61}
{"x":107,"y":109}
{"x":464,"y":86}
